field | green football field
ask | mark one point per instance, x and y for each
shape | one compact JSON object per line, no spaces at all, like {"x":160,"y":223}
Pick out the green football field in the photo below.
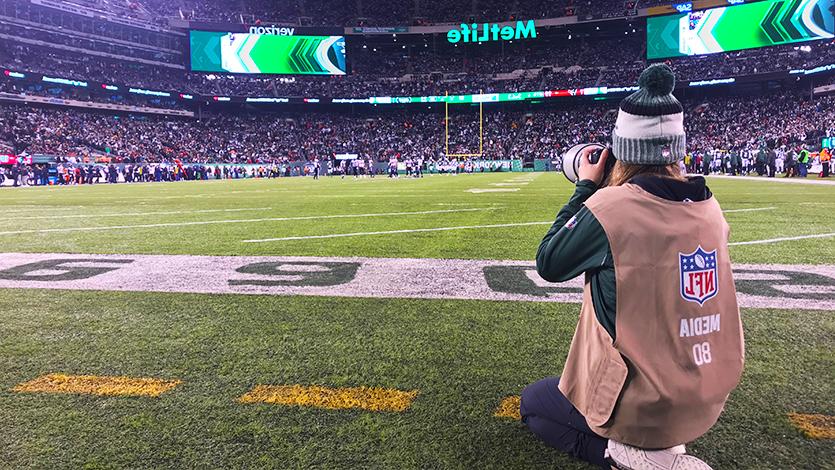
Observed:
{"x":216,"y":335}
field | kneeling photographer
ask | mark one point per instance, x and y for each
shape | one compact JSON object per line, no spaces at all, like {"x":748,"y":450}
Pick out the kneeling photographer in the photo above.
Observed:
{"x":659,"y":346}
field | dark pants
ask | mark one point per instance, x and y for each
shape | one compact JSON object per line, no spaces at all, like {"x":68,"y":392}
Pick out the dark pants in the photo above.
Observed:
{"x":550,"y":416}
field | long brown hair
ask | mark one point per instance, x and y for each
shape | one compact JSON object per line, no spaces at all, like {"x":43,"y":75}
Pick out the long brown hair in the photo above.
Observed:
{"x":623,"y":172}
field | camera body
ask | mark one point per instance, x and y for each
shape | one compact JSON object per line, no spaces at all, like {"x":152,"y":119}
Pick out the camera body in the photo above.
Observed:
{"x":571,"y":160}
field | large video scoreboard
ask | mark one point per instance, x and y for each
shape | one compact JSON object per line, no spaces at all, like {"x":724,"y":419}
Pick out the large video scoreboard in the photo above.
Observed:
{"x":745,"y":26}
{"x":267,"y":50}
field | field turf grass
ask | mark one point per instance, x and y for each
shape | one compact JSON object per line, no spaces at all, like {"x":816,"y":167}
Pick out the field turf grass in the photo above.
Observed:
{"x":799,"y":210}
{"x":464,"y":357}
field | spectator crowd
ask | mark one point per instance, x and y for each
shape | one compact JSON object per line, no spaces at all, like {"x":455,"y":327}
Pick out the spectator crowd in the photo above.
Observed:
{"x":788,"y":118}
{"x":416,"y":66}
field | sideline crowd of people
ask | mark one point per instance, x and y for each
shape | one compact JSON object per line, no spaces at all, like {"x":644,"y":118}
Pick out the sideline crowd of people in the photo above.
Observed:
{"x":72,"y":174}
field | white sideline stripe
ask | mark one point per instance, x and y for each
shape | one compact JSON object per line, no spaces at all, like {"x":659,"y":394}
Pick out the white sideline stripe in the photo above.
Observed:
{"x":127,"y":214}
{"x":390,"y":232}
{"x":751,"y":210}
{"x":785,"y":239}
{"x":238,"y":221}
{"x":777,"y":180}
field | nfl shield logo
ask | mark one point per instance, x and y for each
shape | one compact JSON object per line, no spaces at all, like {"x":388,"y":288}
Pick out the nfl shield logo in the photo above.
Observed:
{"x":699,"y":275}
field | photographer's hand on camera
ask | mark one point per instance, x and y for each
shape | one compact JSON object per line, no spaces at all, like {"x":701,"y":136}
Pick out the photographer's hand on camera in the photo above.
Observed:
{"x":594,"y":172}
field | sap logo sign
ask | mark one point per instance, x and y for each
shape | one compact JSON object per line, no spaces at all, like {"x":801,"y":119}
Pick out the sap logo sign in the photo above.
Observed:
{"x":272,"y":30}
{"x":684,"y":7}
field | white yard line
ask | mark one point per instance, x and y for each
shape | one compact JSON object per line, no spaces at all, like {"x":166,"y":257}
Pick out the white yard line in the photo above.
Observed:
{"x":238,"y":221}
{"x":39,"y":208}
{"x":127,"y":214}
{"x":784,"y":239}
{"x":751,"y":210}
{"x":390,"y":232}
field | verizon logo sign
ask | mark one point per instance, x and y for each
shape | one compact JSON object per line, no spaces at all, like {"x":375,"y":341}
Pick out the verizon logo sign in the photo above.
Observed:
{"x":272,"y":30}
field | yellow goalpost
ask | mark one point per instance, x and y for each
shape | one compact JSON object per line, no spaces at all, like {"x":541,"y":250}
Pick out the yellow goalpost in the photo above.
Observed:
{"x":480,"y":129}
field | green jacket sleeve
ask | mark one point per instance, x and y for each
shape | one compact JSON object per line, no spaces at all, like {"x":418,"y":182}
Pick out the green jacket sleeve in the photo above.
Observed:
{"x":576,"y":243}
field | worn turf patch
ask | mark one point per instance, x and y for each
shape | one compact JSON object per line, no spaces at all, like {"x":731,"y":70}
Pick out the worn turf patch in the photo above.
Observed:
{"x":97,"y":385}
{"x":365,"y":398}
{"x":814,"y":426}
{"x":509,"y":408}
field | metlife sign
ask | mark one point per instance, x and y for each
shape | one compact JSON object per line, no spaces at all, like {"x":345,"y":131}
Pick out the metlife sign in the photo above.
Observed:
{"x":486,"y":32}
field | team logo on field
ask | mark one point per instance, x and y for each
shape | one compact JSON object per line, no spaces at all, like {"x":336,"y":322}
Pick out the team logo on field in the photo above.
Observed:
{"x":699,"y":275}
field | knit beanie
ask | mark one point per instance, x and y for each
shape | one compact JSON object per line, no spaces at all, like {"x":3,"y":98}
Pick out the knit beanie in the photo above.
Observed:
{"x":650,"y":125}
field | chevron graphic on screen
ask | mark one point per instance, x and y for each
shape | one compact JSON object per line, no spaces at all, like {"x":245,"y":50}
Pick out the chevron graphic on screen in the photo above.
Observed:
{"x":733,"y":28}
{"x":225,"y":52}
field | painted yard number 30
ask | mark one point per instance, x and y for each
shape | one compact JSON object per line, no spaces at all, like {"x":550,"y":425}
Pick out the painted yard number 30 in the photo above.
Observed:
{"x":701,"y":353}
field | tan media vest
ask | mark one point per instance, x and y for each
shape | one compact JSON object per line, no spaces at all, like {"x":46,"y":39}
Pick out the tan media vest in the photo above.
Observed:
{"x":679,"y":348}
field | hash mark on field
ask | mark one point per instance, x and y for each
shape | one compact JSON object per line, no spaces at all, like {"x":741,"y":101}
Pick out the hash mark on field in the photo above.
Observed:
{"x":750,"y":210}
{"x":493,"y":190}
{"x":390,"y":232}
{"x":98,"y":385}
{"x":365,"y":398}
{"x":814,"y":426}
{"x":509,"y":408}
{"x":469,"y":204}
{"x":239,"y":221}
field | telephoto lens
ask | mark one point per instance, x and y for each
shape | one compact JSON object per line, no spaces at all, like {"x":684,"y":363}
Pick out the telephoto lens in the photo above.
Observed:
{"x":571,"y":159}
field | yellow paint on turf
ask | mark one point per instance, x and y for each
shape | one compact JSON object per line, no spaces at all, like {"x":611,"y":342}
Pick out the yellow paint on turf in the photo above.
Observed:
{"x":97,"y":385}
{"x":366,"y":398}
{"x":814,"y":426}
{"x":509,"y":408}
